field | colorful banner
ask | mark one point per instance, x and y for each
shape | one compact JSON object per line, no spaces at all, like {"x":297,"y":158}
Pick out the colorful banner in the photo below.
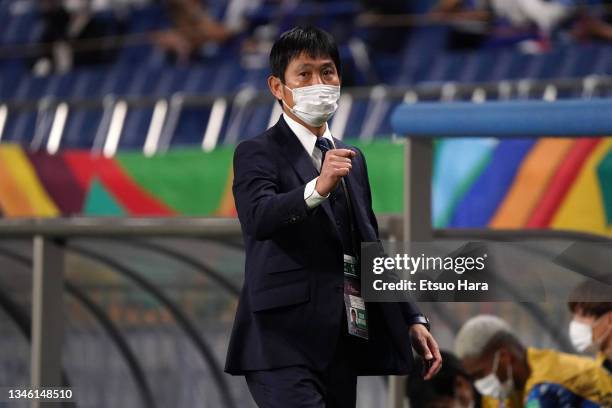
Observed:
{"x":477,"y":183}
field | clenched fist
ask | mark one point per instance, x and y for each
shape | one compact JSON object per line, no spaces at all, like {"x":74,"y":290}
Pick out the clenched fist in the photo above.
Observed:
{"x":336,"y":165}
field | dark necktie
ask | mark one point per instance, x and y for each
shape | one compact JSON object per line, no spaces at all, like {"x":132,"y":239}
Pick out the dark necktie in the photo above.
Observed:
{"x":340,"y":205}
{"x":324,"y":145}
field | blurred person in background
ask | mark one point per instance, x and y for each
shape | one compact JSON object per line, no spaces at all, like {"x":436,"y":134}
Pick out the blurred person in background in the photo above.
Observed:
{"x":73,"y":33}
{"x":470,"y":22}
{"x":591,"y":327}
{"x":595,"y":23}
{"x":474,"y":21}
{"x":56,"y":54}
{"x":193,"y":28}
{"x":386,"y":38}
{"x":508,"y":374}
{"x":450,"y":388}
{"x":235,"y":18}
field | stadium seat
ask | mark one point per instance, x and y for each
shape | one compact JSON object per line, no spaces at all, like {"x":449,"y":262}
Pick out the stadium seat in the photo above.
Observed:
{"x":141,"y":71}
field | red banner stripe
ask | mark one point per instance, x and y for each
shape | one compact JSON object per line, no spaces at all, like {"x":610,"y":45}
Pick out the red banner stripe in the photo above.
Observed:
{"x":134,"y":199}
{"x":561,"y":182}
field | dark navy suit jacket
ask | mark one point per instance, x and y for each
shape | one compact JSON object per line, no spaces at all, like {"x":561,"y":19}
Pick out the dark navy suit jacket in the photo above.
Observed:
{"x":291,"y":305}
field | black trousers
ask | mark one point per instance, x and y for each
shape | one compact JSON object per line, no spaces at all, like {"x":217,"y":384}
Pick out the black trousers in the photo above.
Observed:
{"x":302,"y":387}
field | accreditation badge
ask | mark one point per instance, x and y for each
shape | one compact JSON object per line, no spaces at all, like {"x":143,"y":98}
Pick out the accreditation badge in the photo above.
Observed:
{"x":356,"y":314}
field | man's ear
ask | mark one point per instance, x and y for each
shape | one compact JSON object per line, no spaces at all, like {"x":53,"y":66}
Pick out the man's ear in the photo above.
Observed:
{"x":276,"y":86}
{"x":602,"y":325}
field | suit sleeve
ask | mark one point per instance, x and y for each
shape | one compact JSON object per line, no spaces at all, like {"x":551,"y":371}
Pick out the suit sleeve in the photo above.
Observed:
{"x":408,"y":308}
{"x":263,"y":210}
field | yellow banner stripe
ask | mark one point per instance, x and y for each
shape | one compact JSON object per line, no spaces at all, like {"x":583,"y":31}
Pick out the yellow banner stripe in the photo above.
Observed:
{"x":24,"y":187}
{"x":12,"y":200}
{"x":583,"y":208}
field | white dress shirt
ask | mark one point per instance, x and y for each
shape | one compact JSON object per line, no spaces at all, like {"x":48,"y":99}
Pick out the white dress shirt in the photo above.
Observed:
{"x":308,"y":140}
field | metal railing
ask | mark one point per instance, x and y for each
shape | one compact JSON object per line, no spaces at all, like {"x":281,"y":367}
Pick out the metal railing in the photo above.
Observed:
{"x":55,"y":239}
{"x":51,"y":114}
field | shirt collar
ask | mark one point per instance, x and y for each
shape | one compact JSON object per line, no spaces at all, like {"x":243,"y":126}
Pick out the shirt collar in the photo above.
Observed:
{"x":305,"y":136}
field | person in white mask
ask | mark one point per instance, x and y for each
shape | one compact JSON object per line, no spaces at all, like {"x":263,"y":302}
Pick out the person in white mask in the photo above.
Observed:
{"x":590,"y":329}
{"x":305,"y":205}
{"x":508,"y":374}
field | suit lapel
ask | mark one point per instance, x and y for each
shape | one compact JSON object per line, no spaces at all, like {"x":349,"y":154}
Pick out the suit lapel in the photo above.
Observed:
{"x":301,"y":162}
{"x":295,"y":152}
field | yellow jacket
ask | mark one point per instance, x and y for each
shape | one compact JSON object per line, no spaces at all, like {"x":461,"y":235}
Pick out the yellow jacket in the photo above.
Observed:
{"x":559,"y":379}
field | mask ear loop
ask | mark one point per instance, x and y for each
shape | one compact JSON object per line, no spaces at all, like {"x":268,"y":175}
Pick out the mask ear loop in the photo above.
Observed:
{"x":495,"y":363}
{"x":496,"y":366}
{"x":509,"y":374}
{"x":283,"y":100}
{"x":288,"y":107}
{"x":290,"y":90}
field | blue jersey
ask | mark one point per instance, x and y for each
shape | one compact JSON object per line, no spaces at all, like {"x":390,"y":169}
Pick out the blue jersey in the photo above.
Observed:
{"x":550,"y":395}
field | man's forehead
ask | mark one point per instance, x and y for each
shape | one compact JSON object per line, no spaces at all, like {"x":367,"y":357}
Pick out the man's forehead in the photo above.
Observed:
{"x":306,"y":59}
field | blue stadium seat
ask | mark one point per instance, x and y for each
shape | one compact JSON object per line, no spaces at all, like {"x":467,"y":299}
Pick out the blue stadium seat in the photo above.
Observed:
{"x":145,"y":19}
{"x":252,"y":120}
{"x":20,"y":28}
{"x":424,"y":43}
{"x":12,"y":73}
{"x":135,"y":128}
{"x":142,"y":71}
{"x":61,"y":86}
{"x":81,"y":127}
{"x":519,"y":66}
{"x":229,"y":76}
{"x":118,"y":79}
{"x":31,"y":88}
{"x":356,"y":118}
{"x":257,"y":78}
{"x":87,"y":83}
{"x":201,"y":79}
{"x":20,"y":127}
{"x":385,"y":129}
{"x":171,"y":81}
{"x":603,"y":65}
{"x":190,"y":126}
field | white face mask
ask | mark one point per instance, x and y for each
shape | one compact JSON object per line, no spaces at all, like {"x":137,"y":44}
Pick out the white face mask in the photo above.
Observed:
{"x":315,"y":104}
{"x":492,"y":387}
{"x":581,"y":336}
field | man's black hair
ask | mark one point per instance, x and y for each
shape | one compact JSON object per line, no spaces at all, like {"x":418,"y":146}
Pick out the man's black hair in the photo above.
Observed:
{"x":423,"y":394}
{"x":308,"y":40}
{"x":590,"y":298}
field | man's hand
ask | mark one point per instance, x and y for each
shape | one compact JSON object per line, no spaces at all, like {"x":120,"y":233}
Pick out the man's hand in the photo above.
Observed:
{"x":336,"y":165}
{"x":427,"y":347}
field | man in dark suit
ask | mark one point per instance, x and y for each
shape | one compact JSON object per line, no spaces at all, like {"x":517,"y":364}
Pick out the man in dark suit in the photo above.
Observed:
{"x":304,"y":204}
